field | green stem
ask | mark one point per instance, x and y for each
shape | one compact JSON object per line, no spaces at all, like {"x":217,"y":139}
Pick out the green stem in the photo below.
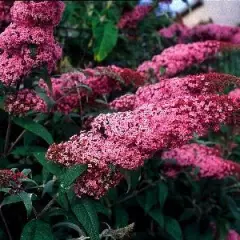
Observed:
{"x":5,"y":224}
{"x":46,"y":208}
{"x":137,"y":192}
{"x":15,"y":142}
{"x":7,"y":138}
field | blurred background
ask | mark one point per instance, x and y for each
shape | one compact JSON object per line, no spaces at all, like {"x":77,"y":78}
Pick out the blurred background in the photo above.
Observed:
{"x":195,"y":11}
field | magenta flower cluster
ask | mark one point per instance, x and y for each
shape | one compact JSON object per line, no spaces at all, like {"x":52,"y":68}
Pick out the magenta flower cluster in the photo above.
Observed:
{"x":24,"y":101}
{"x":202,"y":84}
{"x":130,"y":19}
{"x":233,"y":235}
{"x":28,"y":42}
{"x":126,"y":139}
{"x":12,"y":180}
{"x":202,"y":33}
{"x":5,"y":18}
{"x":177,"y":58}
{"x":207,"y":160}
{"x":72,"y":88}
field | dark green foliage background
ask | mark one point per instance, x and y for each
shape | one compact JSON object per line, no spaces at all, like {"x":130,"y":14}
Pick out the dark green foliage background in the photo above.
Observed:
{"x":160,"y":208}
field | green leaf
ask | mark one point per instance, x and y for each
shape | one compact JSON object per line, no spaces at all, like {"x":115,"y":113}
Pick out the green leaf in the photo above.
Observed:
{"x":63,"y":200}
{"x":27,"y":150}
{"x":43,"y":73}
{"x":50,"y":166}
{"x":27,"y":172}
{"x":187,"y":214}
{"x":121,"y":217}
{"x":162,"y":193}
{"x":162,"y":71}
{"x":37,"y":230}
{"x":71,"y":175}
{"x":24,"y":197}
{"x":70,"y":225}
{"x":35,"y":128}
{"x":100,"y":208}
{"x":57,"y":211}
{"x":173,"y":228}
{"x":237,"y":139}
{"x":48,"y":187}
{"x":132,"y":178}
{"x":222,"y":229}
{"x":157,"y":216}
{"x":147,"y":200}
{"x":2,"y":234}
{"x":192,"y":231}
{"x":87,"y":216}
{"x":233,"y":207}
{"x":84,"y":86}
{"x":47,"y":99}
{"x":27,"y":201}
{"x":11,"y":199}
{"x":105,"y":39}
{"x":5,"y":190}
{"x":33,"y":50}
{"x":29,"y":138}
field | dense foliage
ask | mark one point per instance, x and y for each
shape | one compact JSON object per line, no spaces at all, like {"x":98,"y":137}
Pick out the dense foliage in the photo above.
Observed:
{"x":93,"y":32}
{"x":112,"y":129}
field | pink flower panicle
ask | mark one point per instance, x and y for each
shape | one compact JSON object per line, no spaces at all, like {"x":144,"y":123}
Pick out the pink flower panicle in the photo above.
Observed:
{"x":213,"y":32}
{"x":167,"y":123}
{"x":99,"y":177}
{"x":92,"y":148}
{"x":97,"y":181}
{"x":182,"y":56}
{"x":130,"y":19}
{"x":28,"y":42}
{"x":235,"y":95}
{"x":233,"y":235}
{"x":193,"y":85}
{"x":126,"y":139}
{"x":5,"y":18}
{"x":111,"y":77}
{"x":71,"y":88}
{"x":206,"y":159}
{"x":37,"y":13}
{"x":178,"y":30}
{"x":124,"y":103}
{"x":236,"y":38}
{"x":202,"y":33}
{"x":10,"y":179}
{"x":23,"y":101}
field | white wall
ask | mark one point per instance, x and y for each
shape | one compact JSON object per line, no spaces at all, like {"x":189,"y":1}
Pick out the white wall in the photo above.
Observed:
{"x":225,"y":12}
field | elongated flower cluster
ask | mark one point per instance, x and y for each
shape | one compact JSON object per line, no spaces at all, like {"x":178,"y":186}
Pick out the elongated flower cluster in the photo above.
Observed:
{"x":206,"y":159}
{"x":233,"y":235}
{"x":5,"y":18}
{"x":10,"y":179}
{"x":182,"y":56}
{"x":235,"y":95}
{"x":28,"y":42}
{"x":202,"y":33}
{"x":97,"y":181}
{"x":71,"y":90}
{"x":126,"y":139}
{"x":130,"y":19}
{"x":193,"y":85}
{"x":176,"y":30}
{"x":24,"y":101}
